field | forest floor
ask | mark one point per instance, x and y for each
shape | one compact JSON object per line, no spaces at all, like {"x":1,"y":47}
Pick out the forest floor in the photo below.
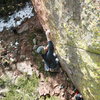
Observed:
{"x":22,"y":76}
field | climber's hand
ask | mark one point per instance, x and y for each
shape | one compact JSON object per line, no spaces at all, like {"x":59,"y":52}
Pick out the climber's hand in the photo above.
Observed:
{"x":48,"y":35}
{"x":47,"y":32}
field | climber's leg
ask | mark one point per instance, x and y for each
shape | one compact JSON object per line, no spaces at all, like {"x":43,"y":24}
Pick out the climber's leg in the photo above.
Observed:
{"x":46,"y":67}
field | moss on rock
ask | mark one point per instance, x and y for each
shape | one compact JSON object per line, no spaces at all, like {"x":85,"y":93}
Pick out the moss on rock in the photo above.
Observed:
{"x":75,"y":25}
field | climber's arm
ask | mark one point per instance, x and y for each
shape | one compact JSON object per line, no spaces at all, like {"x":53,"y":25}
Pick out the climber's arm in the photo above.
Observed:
{"x":48,"y":35}
{"x":50,"y":44}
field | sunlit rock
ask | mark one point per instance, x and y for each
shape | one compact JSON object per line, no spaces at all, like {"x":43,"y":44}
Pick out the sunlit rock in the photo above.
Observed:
{"x":75,"y":25}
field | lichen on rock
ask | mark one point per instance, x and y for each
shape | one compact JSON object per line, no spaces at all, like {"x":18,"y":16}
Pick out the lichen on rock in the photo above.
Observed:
{"x":75,"y":26}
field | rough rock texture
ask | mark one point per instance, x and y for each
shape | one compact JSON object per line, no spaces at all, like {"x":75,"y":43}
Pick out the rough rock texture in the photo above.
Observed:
{"x":75,"y":25}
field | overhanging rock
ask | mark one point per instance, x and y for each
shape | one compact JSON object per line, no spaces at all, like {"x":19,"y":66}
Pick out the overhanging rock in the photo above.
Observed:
{"x":75,"y":25}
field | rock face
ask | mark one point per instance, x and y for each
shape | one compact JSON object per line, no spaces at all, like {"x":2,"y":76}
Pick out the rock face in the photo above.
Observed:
{"x":75,"y":25}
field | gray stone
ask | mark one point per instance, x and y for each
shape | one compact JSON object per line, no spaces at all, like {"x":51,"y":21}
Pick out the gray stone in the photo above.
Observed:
{"x":76,"y":36}
{"x":24,"y":28}
{"x":25,"y":67}
{"x":14,"y":67}
{"x":17,"y":19}
{"x":22,"y":57}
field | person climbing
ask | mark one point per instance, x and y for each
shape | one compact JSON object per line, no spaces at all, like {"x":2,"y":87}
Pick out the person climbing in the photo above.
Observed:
{"x":78,"y":95}
{"x":47,"y":53}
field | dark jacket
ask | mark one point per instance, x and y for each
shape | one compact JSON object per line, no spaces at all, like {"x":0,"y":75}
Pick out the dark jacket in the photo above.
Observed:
{"x":48,"y":57}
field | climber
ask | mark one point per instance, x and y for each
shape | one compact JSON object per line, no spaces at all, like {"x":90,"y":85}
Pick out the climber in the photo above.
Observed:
{"x":47,"y":53}
{"x":78,"y":96}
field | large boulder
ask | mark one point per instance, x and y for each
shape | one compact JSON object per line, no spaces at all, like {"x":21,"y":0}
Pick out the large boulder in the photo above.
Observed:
{"x":75,"y":25}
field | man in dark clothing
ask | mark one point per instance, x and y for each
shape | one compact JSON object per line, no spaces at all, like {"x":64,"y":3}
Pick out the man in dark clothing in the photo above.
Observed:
{"x":78,"y":96}
{"x":47,"y":53}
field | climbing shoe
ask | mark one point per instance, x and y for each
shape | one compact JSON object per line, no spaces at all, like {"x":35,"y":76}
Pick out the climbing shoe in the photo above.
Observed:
{"x":46,"y":68}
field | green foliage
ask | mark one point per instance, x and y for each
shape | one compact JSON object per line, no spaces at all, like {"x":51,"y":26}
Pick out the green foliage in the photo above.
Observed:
{"x":25,"y":88}
{"x":53,"y":98}
{"x":2,"y":83}
{"x":28,"y":83}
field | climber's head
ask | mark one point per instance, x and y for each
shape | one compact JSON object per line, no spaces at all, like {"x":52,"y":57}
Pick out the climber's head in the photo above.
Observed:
{"x":41,"y":50}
